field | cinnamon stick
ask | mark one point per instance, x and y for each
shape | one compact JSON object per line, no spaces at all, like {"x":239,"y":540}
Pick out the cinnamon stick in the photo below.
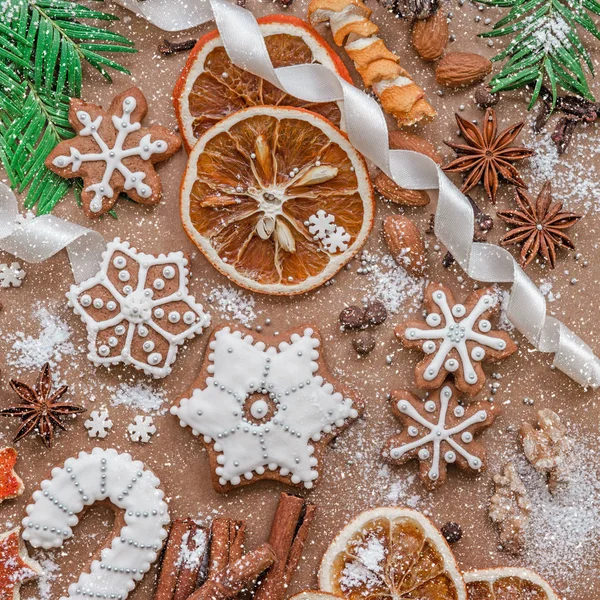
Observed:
{"x":191,"y":561}
{"x":289,"y":531}
{"x":169,"y":573}
{"x":226,"y":544}
{"x":237,"y":577}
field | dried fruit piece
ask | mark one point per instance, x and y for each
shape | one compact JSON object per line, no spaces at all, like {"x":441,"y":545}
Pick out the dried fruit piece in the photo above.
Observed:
{"x":548,"y":448}
{"x":461,"y":69}
{"x":211,"y":87}
{"x":397,"y":553}
{"x":509,"y":509}
{"x":405,"y":243}
{"x":286,"y":169}
{"x":507,"y":583}
{"x":430,"y":36}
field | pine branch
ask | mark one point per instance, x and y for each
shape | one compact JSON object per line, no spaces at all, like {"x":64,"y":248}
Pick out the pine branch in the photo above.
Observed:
{"x":545,"y":48}
{"x":43,"y":45}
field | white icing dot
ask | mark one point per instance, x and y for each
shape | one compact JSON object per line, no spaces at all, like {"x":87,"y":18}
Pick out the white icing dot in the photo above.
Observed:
{"x":120,"y":329}
{"x":112,"y":341}
{"x":86,"y":300}
{"x":478,"y":353}
{"x":159,"y":313}
{"x":451,"y":365}
{"x":450,"y":456}
{"x":430,"y":406}
{"x":259,"y":409}
{"x":104,"y":350}
{"x":169,"y":272}
{"x":124,"y":275}
{"x":174,"y":317}
{"x":148,"y":346}
{"x":142,"y":331}
{"x":120,"y":262}
{"x":484,"y":325}
{"x":433,"y":320}
{"x":467,"y":437}
{"x":159,"y":284}
{"x":458,"y":310}
{"x":111,"y":305}
{"x":459,"y":411}
{"x":98,"y":303}
{"x":154,"y":358}
{"x":429,"y":347}
{"x":189,"y":317}
{"x":423,"y":454}
{"x":413,"y":431}
{"x":127,"y":289}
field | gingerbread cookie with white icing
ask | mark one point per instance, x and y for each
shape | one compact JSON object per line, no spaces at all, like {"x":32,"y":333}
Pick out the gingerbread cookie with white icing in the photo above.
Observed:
{"x":266,"y":407}
{"x":137,"y":309}
{"x":438,"y":431}
{"x":456,"y":339}
{"x":141,"y":516}
{"x":113,"y":153}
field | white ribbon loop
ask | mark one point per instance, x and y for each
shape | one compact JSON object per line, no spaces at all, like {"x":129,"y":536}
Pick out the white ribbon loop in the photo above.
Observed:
{"x":36,"y":240}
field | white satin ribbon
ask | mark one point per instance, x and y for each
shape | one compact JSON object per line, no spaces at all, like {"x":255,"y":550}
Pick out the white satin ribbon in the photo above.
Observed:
{"x":367,"y":129}
{"x":36,"y":240}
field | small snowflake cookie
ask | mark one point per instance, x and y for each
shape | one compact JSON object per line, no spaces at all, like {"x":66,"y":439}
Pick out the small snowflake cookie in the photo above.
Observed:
{"x":456,"y":339}
{"x":142,"y":429}
{"x":113,"y":153}
{"x":11,"y":275}
{"x":137,"y":309}
{"x":98,"y":425}
{"x":438,"y":431}
{"x":266,"y":407}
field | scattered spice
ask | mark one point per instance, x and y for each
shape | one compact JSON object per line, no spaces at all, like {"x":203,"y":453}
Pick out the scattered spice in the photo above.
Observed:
{"x":484,"y":98}
{"x":166,"y":47}
{"x":540,"y":227}
{"x":40,"y":410}
{"x":452,"y":532}
{"x":352,"y":317}
{"x":364,"y":343}
{"x":487,"y":155}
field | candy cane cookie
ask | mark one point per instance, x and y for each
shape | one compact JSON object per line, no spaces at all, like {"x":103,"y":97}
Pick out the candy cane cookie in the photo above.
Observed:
{"x":140,"y":519}
{"x":378,"y":66}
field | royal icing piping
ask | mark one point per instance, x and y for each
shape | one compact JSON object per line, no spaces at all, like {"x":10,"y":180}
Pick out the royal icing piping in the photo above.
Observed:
{"x":438,"y":434}
{"x":455,"y":333}
{"x":113,"y":157}
{"x":90,"y":478}
{"x":133,"y":313}
{"x":274,"y":429}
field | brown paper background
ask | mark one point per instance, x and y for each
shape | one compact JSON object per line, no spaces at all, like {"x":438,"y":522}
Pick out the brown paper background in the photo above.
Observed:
{"x":352,"y":479}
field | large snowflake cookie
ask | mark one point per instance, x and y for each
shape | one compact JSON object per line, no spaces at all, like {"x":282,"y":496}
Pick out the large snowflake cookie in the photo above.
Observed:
{"x":456,"y":339}
{"x":438,"y":431}
{"x":112,"y":152}
{"x":137,"y":309}
{"x":266,"y":407}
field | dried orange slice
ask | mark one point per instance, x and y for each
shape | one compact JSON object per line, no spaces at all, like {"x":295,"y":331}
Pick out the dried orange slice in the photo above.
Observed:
{"x":211,"y":87}
{"x":277,"y":199}
{"x":391,"y":554}
{"x":507,"y":583}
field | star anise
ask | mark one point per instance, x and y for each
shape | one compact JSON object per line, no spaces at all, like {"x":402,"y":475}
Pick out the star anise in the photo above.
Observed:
{"x":40,"y":410}
{"x":540,"y":226}
{"x":487,"y":155}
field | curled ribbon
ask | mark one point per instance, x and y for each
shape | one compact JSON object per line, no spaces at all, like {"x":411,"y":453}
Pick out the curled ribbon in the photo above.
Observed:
{"x":367,"y":129}
{"x":36,"y":240}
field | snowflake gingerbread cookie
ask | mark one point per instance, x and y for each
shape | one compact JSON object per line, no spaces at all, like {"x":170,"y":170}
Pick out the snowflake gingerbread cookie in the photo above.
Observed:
{"x":99,"y":424}
{"x":438,"y":431}
{"x":266,"y":407}
{"x":137,"y":309}
{"x":112,"y":152}
{"x":456,"y":339}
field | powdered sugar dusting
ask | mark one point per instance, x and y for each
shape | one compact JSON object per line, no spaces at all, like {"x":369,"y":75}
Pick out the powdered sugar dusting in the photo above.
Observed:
{"x":233,"y":304}
{"x":192,"y":558}
{"x":140,"y":396}
{"x":367,"y":569}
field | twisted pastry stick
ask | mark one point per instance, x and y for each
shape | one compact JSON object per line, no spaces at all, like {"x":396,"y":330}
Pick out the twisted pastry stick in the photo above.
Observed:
{"x":378,"y":66}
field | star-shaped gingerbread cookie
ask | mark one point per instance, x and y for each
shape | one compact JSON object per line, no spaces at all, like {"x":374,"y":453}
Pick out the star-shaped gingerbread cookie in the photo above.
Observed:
{"x":113,"y":153}
{"x":456,"y":339}
{"x":438,"y":431}
{"x":11,"y":485}
{"x":266,"y":407}
{"x":16,"y":567}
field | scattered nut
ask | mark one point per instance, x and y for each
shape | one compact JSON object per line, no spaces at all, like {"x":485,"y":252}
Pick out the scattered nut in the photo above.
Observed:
{"x":405,"y":243}
{"x":352,"y":317}
{"x":430,"y":36}
{"x":363,"y":343}
{"x":460,"y":69}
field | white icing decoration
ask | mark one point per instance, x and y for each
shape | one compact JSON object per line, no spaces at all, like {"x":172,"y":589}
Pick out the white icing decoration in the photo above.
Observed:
{"x":113,"y":157}
{"x":98,"y":425}
{"x":455,"y":335}
{"x":337,"y":241}
{"x":168,"y":272}
{"x":305,"y":407}
{"x":321,"y":224}
{"x":133,"y":313}
{"x":83,"y":481}
{"x":142,"y":429}
{"x":438,"y":434}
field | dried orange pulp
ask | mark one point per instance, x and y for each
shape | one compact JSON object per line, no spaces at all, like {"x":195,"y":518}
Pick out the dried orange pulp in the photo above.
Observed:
{"x":251,"y":185}
{"x":211,"y":87}
{"x":507,"y":583}
{"x":391,"y":554}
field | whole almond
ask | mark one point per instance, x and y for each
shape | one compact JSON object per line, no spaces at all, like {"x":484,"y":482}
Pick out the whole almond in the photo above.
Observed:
{"x":460,"y":69}
{"x":430,"y":36}
{"x":405,"y":243}
{"x":400,"y":140}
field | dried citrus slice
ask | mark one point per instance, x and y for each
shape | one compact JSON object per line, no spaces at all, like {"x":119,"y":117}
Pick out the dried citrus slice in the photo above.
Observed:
{"x":211,"y":87}
{"x":391,"y":554}
{"x":277,"y":199}
{"x":507,"y":583}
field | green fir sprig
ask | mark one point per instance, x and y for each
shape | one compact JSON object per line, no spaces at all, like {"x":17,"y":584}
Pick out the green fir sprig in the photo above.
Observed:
{"x":43,"y":45}
{"x":545,"y":47}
